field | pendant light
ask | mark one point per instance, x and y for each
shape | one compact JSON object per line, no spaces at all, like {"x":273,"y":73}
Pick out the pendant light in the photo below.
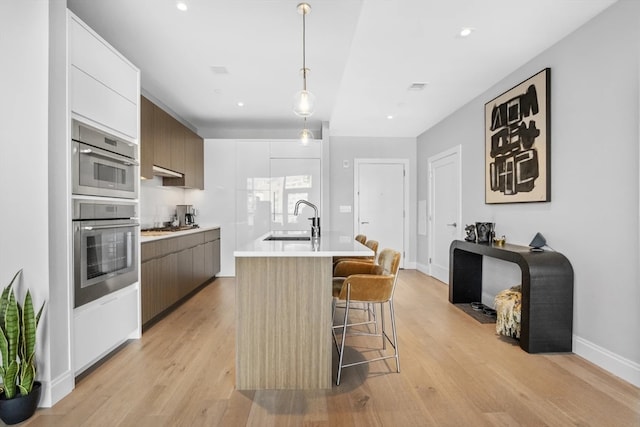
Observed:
{"x":305,"y":136}
{"x":304,"y":101}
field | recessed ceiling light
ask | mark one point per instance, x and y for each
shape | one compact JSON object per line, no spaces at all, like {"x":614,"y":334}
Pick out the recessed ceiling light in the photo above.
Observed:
{"x":390,"y":117}
{"x":418,"y":85}
{"x":466,"y":31}
{"x":182,"y":5}
{"x":240,"y":104}
{"x":219,"y":69}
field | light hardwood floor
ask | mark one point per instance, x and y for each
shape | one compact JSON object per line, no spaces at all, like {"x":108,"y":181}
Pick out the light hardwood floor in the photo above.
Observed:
{"x":454,"y":372}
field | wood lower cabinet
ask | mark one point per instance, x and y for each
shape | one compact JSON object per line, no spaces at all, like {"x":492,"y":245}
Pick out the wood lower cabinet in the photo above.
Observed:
{"x":173,"y":267}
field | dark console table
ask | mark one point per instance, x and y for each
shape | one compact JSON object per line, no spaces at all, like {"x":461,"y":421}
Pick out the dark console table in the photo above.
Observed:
{"x":547,"y":290}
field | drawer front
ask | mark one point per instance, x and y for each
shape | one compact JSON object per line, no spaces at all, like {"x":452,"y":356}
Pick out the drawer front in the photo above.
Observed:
{"x":190,"y":241}
{"x":211,"y":235}
{"x":95,"y":336}
{"x":148,"y":251}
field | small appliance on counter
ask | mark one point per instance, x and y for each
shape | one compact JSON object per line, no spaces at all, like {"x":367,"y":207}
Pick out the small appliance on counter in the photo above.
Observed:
{"x":186,"y":215}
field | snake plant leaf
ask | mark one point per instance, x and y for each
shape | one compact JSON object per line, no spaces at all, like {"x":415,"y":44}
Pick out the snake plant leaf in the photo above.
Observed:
{"x":39,"y":314}
{"x":10,"y":380}
{"x":5,"y":298}
{"x":29,"y":326}
{"x":12,"y":325}
{"x":28,"y":372}
{"x":4,"y":350}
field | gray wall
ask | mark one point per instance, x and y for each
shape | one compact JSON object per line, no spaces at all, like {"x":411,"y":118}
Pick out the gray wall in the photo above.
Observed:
{"x":593,"y":217}
{"x":350,"y":148}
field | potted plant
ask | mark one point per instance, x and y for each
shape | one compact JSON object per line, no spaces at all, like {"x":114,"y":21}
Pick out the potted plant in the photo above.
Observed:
{"x":18,"y":322}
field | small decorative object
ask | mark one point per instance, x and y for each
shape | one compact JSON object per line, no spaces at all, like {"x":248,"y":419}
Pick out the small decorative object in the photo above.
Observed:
{"x":18,"y":324}
{"x":538,"y":243}
{"x":499,"y":241}
{"x":484,"y":230}
{"x":517,"y":143}
{"x":508,"y":305}
{"x":471,"y":233}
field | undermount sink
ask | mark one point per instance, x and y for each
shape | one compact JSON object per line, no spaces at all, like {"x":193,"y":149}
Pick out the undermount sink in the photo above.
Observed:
{"x":288,"y":238}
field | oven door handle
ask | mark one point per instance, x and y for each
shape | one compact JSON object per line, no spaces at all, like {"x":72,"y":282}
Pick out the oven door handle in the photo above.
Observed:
{"x":98,"y":152}
{"x":104,"y":227}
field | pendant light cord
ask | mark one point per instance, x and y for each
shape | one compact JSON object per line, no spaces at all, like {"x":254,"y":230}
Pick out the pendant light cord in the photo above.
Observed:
{"x":304,"y":51}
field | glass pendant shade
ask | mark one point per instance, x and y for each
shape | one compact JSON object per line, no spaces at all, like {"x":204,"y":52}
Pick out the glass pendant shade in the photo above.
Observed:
{"x":305,"y":136}
{"x":304,"y":103}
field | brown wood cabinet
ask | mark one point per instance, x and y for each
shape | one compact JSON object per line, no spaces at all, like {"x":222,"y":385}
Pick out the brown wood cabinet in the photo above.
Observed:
{"x":146,"y":138}
{"x":161,"y":122}
{"x":173,"y":267}
{"x":167,"y":143}
{"x":193,"y":176}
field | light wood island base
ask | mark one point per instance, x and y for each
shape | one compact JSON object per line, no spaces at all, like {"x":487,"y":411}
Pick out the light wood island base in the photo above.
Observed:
{"x":283,"y":320}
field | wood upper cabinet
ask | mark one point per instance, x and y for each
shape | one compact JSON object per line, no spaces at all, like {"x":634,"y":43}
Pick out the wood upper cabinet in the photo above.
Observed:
{"x":147,"y":137}
{"x":161,"y":122}
{"x":177,"y":135}
{"x":169,"y":144}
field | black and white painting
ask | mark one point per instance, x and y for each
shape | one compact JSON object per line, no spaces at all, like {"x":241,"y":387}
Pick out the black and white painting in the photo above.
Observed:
{"x":517,"y":143}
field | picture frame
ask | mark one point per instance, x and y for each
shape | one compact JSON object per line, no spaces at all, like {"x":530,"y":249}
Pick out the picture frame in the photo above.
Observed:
{"x":518,"y":143}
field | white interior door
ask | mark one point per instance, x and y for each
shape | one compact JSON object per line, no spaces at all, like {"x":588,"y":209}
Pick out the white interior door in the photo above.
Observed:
{"x":293,"y":180}
{"x":444,"y":210}
{"x":380,"y":202}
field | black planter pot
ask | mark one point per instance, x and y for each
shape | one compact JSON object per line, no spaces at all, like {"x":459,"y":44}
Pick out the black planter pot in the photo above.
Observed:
{"x":18,"y":409}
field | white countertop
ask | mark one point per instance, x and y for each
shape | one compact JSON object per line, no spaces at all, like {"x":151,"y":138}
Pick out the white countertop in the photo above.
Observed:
{"x":328,"y":244}
{"x":172,"y":234}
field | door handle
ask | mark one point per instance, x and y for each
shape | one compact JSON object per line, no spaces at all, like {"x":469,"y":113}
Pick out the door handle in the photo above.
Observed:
{"x":364,"y":222}
{"x":452,"y":224}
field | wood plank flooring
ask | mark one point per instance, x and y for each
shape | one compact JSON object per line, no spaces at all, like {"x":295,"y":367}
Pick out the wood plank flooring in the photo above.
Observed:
{"x":454,"y":372}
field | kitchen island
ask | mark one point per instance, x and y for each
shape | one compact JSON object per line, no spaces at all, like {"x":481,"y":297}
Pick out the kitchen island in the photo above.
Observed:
{"x":283,"y":310}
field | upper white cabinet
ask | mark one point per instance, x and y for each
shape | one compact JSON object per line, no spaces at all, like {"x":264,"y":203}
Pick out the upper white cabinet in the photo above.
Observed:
{"x":104,"y":87}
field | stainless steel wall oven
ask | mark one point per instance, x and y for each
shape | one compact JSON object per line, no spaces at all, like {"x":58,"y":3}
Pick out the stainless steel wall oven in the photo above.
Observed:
{"x":105,"y":242}
{"x":103,"y":165}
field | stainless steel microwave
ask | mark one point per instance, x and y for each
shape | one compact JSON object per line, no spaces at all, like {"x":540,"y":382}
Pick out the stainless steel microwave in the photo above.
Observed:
{"x":103,"y":165}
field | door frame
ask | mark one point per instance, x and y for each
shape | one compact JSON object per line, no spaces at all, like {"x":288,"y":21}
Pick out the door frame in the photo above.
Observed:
{"x":457,"y":151}
{"x":407,"y":212}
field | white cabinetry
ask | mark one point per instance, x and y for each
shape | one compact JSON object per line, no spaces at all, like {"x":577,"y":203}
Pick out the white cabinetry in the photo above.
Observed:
{"x":104,"y":88}
{"x":271,"y":176}
{"x":103,"y":325}
{"x":253,"y":190}
{"x":292,"y":180}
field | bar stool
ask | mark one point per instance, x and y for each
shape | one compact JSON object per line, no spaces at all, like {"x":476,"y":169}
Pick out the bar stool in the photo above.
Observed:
{"x":376,"y":286}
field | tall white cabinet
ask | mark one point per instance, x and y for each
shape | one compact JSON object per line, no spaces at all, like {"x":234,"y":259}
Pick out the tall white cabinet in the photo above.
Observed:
{"x":104,"y":92}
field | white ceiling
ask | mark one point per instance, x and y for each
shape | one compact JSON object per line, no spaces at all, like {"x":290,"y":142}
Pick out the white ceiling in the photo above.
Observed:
{"x":363,"y":56}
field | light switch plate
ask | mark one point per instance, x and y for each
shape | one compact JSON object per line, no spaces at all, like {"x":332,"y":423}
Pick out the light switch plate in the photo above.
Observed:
{"x":345,"y":164}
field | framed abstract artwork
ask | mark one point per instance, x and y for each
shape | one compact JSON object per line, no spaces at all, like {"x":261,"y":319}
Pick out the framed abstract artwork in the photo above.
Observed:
{"x":518,"y":143}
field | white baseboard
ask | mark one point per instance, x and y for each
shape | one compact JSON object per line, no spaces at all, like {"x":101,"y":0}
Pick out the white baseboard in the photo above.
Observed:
{"x":410,"y":265}
{"x":57,"y":389}
{"x":624,"y":368}
{"x":422,"y":268}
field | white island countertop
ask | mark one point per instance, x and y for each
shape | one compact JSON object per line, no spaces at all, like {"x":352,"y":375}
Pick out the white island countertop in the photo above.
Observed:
{"x":329,"y":244}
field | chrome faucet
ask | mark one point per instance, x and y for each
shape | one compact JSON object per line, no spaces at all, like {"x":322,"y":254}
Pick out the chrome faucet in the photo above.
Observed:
{"x":315,"y":221}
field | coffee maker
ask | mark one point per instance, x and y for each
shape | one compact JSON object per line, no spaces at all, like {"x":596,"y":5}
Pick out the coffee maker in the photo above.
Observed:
{"x":186,"y":215}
